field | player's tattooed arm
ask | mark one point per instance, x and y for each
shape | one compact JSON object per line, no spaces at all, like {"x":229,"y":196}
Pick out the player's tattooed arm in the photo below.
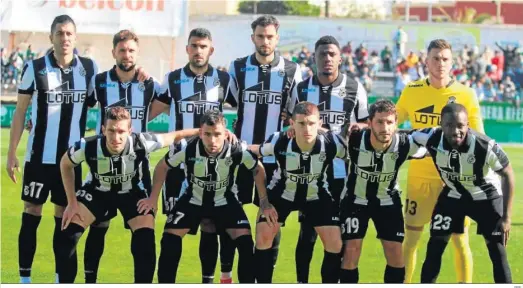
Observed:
{"x":507,"y":186}
{"x":265,"y":206}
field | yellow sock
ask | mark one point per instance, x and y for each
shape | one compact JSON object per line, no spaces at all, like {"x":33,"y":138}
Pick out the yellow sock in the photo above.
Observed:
{"x":462,"y":257}
{"x":410,"y":247}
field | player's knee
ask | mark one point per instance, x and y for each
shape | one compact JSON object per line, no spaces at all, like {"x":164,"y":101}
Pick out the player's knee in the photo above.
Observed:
{"x":142,"y":221}
{"x":32,"y":209}
{"x":351,"y":254}
{"x":333,"y":245}
{"x":393,"y":254}
{"x":264,"y":236}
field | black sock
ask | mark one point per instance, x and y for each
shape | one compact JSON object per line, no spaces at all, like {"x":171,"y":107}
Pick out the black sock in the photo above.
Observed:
{"x":304,"y":250}
{"x":330,"y":268}
{"x":208,"y":255}
{"x":245,"y":258}
{"x":264,"y":267}
{"x":394,"y":275}
{"x":432,"y":264}
{"x":143,"y":248}
{"x":94,"y":248}
{"x":349,"y":276}
{"x":275,"y":248}
{"x":66,"y":253}
{"x":498,"y":256}
{"x":27,"y":243}
{"x":227,"y":251}
{"x":170,"y":254}
{"x":58,"y":238}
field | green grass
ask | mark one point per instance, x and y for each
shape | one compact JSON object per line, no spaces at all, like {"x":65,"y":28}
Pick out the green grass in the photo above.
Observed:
{"x":117,"y":264}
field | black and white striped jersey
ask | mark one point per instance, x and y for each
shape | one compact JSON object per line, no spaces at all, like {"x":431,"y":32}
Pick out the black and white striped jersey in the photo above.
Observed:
{"x":59,"y":105}
{"x":301,"y":176}
{"x":210,"y":178}
{"x":262,"y":93}
{"x":373,"y":176}
{"x":115,"y":173}
{"x":342,"y":102}
{"x":469,"y":170}
{"x":190,"y":95}
{"x":135,"y":96}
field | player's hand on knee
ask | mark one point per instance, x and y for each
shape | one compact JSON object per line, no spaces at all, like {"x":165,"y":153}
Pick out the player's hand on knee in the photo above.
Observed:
{"x":505,"y":225}
{"x":269,"y":212}
{"x":231,"y":137}
{"x":71,"y":210}
{"x":12,"y":165}
{"x":147,"y":204}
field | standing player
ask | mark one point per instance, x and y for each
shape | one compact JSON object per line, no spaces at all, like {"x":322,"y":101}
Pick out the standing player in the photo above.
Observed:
{"x":114,"y":159}
{"x":340,"y":100}
{"x":468,"y":162}
{"x":119,"y":86}
{"x":58,"y":85}
{"x":372,"y":192}
{"x":210,"y":161}
{"x":264,"y":81}
{"x":186,"y":94}
{"x":300,"y":183}
{"x":420,"y":103}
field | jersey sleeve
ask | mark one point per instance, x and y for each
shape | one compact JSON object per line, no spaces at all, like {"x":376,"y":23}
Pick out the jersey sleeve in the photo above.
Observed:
{"x":401,"y":107}
{"x":474,"y":111}
{"x":162,"y":94}
{"x":27,"y":83}
{"x":416,"y":151}
{"x":228,"y":94}
{"x":76,"y":153}
{"x":422,"y":136}
{"x":496,"y":158}
{"x":293,"y":99}
{"x":176,"y":154}
{"x":267,"y":148}
{"x":248,"y":158}
{"x":362,"y":111}
{"x":234,"y":87}
{"x":151,"y":142}
{"x":91,"y":89}
{"x":341,"y":147}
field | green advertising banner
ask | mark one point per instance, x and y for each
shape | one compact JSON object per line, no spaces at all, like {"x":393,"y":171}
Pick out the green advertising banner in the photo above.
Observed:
{"x":502,"y":121}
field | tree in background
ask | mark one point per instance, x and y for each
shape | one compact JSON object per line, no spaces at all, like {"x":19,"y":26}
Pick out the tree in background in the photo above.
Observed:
{"x":298,"y":8}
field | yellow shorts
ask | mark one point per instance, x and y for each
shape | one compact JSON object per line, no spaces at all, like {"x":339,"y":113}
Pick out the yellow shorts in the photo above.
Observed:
{"x":422,"y":195}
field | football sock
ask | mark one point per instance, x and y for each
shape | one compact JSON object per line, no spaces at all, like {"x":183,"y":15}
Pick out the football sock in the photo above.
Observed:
{"x":462,"y":257}
{"x":275,"y":248}
{"x":432,"y":264}
{"x":27,"y":245}
{"x":410,"y":249}
{"x":304,"y":250}
{"x":227,"y":251}
{"x":208,"y":255}
{"x":330,"y":267}
{"x":171,"y":252}
{"x":245,"y":258}
{"x":94,"y":248}
{"x":349,"y":276}
{"x":143,"y":248}
{"x":58,"y":239}
{"x":498,"y":255}
{"x":264,"y":265}
{"x":66,"y":253}
{"x":394,"y":274}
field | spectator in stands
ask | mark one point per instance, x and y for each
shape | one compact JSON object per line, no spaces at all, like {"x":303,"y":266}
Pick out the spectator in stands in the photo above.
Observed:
{"x":400,"y":40}
{"x":351,"y":72}
{"x":510,"y":56}
{"x":509,"y":89}
{"x":365,"y":79}
{"x":479,"y":89}
{"x":490,"y":92}
{"x":402,"y":79}
{"x":374,"y":63}
{"x":303,"y":54}
{"x":412,"y":59}
{"x":499,"y":61}
{"x":347,"y":49}
{"x":386,"y":58}
{"x":29,"y":54}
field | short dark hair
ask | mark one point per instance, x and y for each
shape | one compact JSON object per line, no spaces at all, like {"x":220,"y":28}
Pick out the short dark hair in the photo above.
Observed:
{"x":200,"y":33}
{"x":124,"y":35}
{"x":305,"y":108}
{"x":439,"y":44}
{"x":117,"y":113}
{"x":212,"y":117}
{"x":453,"y":108}
{"x":264,"y":21}
{"x":326,"y":40}
{"x":62,"y":19}
{"x":382,"y":106}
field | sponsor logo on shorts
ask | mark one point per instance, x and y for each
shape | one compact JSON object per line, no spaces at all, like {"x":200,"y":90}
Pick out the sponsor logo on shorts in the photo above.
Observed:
{"x":242,"y":222}
{"x":399,"y":234}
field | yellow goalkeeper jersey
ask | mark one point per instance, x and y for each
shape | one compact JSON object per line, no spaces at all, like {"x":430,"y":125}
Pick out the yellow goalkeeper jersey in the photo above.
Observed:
{"x":421,"y":104}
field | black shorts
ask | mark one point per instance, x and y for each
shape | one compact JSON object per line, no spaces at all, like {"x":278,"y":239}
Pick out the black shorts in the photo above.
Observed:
{"x":101,"y":204}
{"x":321,"y":212}
{"x":42,"y":179}
{"x":172,"y":187}
{"x":186,"y":215}
{"x":449,"y":216}
{"x":245,"y":183}
{"x":335,"y":188}
{"x":388,"y":220}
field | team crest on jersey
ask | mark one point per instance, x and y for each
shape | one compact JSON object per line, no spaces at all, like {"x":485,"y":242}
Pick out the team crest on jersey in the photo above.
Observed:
{"x":141,"y":86}
{"x":281,"y":73}
{"x":43,"y":72}
{"x":132,"y":157}
{"x":228,"y":161}
{"x":323,"y":157}
{"x":394,"y":156}
{"x":343,"y":92}
{"x":82,"y":71}
{"x":471,"y":159}
{"x":452,"y":99}
{"x":216,"y":82}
